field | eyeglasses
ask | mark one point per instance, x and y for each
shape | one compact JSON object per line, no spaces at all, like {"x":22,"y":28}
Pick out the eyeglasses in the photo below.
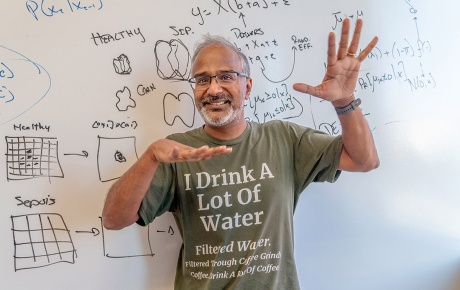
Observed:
{"x":201,"y":83}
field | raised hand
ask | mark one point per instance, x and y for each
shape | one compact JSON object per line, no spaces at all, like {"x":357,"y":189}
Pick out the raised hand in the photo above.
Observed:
{"x":339,"y":83}
{"x":169,"y":151}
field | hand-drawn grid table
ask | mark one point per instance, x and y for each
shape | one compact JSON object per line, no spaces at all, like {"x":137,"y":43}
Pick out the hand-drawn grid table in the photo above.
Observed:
{"x":31,"y":157}
{"x":41,"y":240}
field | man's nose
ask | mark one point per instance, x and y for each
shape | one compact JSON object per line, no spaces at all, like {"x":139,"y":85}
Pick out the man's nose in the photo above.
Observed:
{"x":214,"y":86}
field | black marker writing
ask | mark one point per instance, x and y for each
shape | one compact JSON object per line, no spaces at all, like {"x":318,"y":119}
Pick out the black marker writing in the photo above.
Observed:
{"x":117,"y":36}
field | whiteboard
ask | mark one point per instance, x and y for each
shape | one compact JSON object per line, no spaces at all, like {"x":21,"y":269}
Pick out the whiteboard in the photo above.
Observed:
{"x":86,"y":86}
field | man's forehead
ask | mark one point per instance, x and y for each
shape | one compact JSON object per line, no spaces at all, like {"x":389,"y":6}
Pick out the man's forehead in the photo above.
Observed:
{"x":221,"y":49}
{"x":219,"y":57}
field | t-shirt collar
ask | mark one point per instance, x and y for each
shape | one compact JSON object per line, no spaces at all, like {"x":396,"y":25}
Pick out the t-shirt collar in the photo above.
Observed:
{"x":231,"y":142}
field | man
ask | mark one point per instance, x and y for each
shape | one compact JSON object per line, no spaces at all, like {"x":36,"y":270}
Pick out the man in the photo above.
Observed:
{"x":233,"y":185}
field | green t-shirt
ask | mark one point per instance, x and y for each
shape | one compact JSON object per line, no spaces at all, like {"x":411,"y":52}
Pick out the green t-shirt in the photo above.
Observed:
{"x":235,"y":212}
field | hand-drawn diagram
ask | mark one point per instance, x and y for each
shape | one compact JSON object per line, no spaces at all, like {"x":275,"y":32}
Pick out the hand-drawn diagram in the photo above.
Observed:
{"x":131,"y":242}
{"x":172,"y":60}
{"x":136,"y":241}
{"x":114,"y":156}
{"x":294,"y":49}
{"x":41,"y":240}
{"x":32,"y":157}
{"x":122,"y":65}
{"x":172,"y":105}
{"x":124,"y":99}
{"x":15,"y":71}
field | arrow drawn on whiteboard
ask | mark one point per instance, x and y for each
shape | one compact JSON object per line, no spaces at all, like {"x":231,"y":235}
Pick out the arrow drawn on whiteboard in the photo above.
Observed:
{"x":292,"y":69}
{"x":93,"y":231}
{"x":83,"y":154}
{"x":242,"y":17}
{"x":416,"y":27}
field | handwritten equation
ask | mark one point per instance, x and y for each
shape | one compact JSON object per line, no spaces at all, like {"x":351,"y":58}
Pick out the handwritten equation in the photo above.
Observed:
{"x":405,"y":59}
{"x":44,"y":8}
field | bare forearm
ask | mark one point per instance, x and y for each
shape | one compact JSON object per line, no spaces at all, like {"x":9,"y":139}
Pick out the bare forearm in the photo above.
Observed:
{"x":360,"y":153}
{"x":126,"y":194}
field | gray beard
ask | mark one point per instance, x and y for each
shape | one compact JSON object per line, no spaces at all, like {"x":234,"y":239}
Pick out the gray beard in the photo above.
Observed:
{"x":232,"y":114}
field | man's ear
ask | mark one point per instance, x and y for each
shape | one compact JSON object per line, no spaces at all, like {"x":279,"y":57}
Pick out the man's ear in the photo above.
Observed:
{"x":248,"y":88}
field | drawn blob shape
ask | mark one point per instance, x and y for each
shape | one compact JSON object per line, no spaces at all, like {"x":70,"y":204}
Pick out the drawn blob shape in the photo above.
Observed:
{"x":181,"y":107}
{"x":124,"y":100}
{"x":172,"y":60}
{"x":23,"y":84}
{"x":122,"y":65}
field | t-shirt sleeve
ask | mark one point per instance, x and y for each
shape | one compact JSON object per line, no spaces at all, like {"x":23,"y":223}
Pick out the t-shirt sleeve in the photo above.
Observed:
{"x":316,"y":156}
{"x":159,"y":196}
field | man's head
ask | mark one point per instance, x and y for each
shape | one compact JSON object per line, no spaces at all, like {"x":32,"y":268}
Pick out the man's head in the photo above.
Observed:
{"x":220,"y":78}
{"x":210,"y":40}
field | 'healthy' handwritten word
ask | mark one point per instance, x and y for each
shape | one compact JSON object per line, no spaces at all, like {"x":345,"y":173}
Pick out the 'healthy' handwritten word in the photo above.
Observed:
{"x":107,"y":38}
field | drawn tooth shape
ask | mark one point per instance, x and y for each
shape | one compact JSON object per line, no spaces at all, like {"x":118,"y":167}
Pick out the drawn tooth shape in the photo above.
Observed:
{"x":181,"y":107}
{"x":124,"y":99}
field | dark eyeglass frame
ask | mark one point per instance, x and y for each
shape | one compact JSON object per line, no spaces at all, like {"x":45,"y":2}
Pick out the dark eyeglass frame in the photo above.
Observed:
{"x":220,"y":81}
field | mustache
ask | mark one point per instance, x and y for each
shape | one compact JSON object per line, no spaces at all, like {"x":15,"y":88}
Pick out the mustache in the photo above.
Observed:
{"x":219,"y":97}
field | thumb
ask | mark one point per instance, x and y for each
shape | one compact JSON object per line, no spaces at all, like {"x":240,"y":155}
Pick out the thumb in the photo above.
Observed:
{"x":304,"y":88}
{"x":175,"y":153}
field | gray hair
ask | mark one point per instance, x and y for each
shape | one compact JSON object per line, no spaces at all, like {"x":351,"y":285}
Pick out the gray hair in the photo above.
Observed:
{"x":210,"y":40}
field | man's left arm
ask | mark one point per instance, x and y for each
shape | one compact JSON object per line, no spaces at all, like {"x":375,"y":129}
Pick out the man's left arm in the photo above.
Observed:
{"x":359,"y":153}
{"x":338,"y":86}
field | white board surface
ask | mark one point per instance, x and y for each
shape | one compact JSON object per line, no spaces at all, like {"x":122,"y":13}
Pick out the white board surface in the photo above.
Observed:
{"x":86,"y":86}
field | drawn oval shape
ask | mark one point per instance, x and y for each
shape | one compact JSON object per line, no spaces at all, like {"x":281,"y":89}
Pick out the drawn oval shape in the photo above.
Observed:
{"x":172,"y":59}
{"x":23,"y":84}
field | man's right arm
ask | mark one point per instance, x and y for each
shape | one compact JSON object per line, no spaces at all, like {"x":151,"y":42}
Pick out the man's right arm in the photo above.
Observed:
{"x":125,"y":196}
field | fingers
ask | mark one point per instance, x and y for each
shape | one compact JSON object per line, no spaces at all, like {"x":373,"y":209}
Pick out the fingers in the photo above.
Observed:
{"x":331,"y":54}
{"x":350,"y":50}
{"x":355,"y":40}
{"x":202,"y":153}
{"x":304,"y":88}
{"x":363,"y":54}
{"x":175,"y":153}
{"x":343,"y":44}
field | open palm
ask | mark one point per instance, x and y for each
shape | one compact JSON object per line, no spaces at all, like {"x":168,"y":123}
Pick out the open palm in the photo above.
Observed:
{"x":343,"y":67}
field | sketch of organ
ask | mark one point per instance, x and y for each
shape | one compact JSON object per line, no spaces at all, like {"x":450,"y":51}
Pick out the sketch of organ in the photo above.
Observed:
{"x":124,"y":99}
{"x":122,"y":65}
{"x":172,"y":60}
{"x":181,"y":107}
